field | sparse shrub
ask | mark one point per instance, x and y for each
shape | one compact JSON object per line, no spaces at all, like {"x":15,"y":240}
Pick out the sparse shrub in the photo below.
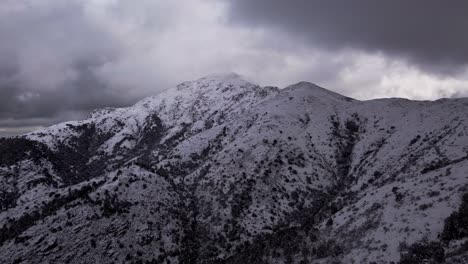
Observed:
{"x":423,"y":207}
{"x":435,"y":165}
{"x":328,"y":249}
{"x":423,"y":252}
{"x":352,"y":126}
{"x":377,"y":174}
{"x":93,"y":243}
{"x":398,"y":196}
{"x":456,"y":225}
{"x":414,"y":140}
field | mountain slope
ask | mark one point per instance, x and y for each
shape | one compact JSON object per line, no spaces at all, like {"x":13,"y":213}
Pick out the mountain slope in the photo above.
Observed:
{"x":219,"y":170}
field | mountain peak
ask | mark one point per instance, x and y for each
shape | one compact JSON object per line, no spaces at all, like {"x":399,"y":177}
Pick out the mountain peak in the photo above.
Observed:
{"x":217,"y":82}
{"x":226,"y":78}
{"x":311,"y":89}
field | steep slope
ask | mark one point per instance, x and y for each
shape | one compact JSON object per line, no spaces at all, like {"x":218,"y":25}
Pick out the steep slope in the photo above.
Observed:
{"x":219,"y":170}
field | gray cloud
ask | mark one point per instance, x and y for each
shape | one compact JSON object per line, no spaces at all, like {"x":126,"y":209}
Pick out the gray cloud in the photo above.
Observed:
{"x":50,"y":58}
{"x":72,"y":98}
{"x":61,"y":59}
{"x":429,"y":33}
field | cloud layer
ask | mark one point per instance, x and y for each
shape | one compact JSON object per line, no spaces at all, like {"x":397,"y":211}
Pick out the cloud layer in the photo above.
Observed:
{"x":61,"y":59}
{"x":429,"y":33}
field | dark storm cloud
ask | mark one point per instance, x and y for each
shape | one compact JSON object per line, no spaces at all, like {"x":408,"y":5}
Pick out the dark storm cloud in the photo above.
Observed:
{"x":82,"y":94}
{"x":432,"y":34}
{"x":50,"y":55}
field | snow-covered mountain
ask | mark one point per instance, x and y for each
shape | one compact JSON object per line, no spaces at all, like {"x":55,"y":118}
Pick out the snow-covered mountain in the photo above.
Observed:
{"x":220,"y":170}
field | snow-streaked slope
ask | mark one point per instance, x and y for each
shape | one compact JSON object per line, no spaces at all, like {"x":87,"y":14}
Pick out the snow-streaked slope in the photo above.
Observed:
{"x":219,"y":170}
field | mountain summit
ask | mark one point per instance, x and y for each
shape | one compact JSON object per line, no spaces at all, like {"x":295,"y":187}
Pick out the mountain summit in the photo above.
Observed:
{"x":220,"y":170}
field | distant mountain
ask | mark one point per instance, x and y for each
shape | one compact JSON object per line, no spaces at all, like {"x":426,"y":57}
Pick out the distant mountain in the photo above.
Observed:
{"x":220,"y":170}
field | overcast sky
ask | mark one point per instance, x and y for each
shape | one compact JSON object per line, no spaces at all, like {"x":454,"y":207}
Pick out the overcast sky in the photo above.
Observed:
{"x":61,"y":59}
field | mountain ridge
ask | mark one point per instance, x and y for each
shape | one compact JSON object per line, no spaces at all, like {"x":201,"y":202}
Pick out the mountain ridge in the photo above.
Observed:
{"x":220,"y":170}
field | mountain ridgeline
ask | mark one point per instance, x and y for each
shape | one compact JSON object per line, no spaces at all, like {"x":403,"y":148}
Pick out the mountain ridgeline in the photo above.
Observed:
{"x":220,"y":170}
